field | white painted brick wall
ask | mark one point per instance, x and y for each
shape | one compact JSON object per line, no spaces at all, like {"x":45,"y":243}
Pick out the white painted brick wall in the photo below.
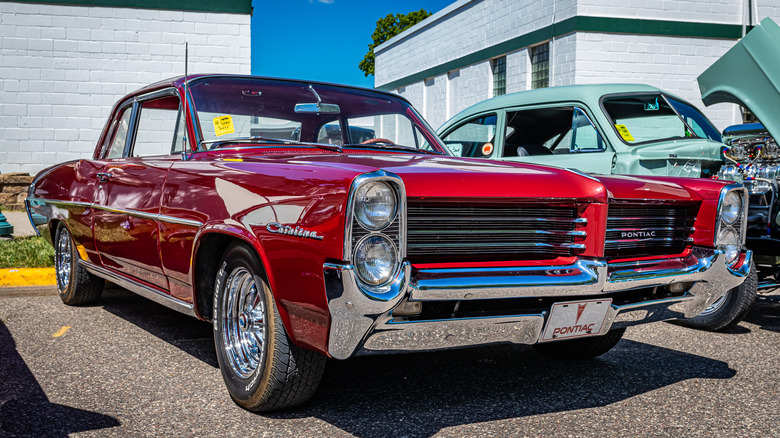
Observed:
{"x":435,"y":109}
{"x":462,"y":28}
{"x":63,"y":67}
{"x":518,"y":67}
{"x":669,"y":63}
{"x":707,"y":11}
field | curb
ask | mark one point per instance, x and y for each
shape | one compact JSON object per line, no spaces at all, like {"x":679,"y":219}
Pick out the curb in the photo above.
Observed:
{"x":27,"y":277}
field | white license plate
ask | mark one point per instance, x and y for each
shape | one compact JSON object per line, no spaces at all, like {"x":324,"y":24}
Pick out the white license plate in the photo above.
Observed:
{"x":575,"y":319}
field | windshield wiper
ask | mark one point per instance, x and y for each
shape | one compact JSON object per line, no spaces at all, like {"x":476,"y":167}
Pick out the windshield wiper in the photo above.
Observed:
{"x":396,"y":147}
{"x":215,"y":144}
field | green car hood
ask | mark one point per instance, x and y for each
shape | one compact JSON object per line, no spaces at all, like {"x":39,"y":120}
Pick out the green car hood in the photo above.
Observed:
{"x":749,"y":75}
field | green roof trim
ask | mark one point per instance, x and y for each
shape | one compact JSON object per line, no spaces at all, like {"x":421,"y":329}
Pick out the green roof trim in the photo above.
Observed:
{"x":227,"y":7}
{"x":632,"y":26}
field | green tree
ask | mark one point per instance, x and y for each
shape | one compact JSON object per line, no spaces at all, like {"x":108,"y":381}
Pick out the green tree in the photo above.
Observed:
{"x":386,"y":28}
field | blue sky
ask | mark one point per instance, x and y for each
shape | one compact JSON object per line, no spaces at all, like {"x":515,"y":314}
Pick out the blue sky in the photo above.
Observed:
{"x":322,"y":40}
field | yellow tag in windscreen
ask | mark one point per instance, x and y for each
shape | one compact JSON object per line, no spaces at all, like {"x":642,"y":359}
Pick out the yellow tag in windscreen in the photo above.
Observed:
{"x":624,"y":133}
{"x":223,"y":125}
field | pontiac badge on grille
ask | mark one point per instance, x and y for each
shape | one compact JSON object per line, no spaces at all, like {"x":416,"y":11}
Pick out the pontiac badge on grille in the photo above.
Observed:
{"x":635,"y":234}
{"x":277,"y":228}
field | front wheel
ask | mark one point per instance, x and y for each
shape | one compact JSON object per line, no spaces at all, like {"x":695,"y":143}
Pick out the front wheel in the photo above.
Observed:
{"x":76,"y":286}
{"x":262,"y":369}
{"x":729,"y":309}
{"x":580,"y":349}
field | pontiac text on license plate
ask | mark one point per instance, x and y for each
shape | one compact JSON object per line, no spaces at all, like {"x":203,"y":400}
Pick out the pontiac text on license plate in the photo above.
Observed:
{"x":575,"y":319}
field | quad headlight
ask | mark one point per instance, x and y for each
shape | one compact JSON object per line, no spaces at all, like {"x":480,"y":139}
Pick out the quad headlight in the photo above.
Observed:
{"x":375,"y":259}
{"x":374,"y":241}
{"x":731,"y":209}
{"x":731,"y":221}
{"x":375,"y":205}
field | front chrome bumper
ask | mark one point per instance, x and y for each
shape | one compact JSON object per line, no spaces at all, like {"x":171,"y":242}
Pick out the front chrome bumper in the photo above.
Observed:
{"x":362,"y":322}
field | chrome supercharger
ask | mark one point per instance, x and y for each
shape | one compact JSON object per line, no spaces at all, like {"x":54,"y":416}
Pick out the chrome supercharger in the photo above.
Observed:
{"x":754,"y":161}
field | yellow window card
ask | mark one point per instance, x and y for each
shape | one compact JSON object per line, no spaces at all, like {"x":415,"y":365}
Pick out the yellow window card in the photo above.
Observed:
{"x":223,"y":125}
{"x":621,"y":129}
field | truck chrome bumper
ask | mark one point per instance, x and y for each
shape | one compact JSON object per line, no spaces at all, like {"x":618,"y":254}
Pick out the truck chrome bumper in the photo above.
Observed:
{"x":362,"y":322}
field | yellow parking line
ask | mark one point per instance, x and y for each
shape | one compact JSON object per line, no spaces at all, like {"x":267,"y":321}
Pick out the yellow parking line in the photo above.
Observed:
{"x":61,"y":331}
{"x":27,"y":277}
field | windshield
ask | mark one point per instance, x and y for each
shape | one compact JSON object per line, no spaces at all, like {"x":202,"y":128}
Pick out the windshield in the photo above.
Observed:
{"x":654,"y":117}
{"x":242,"y":108}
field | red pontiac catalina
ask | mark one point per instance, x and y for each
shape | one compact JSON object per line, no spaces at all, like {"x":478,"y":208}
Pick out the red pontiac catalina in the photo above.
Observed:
{"x":309,"y":220}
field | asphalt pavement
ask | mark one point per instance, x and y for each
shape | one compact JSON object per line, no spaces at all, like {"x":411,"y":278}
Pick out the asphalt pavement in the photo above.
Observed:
{"x":129,"y":367}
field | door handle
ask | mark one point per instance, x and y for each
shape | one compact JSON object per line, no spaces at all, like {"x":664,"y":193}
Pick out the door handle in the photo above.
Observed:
{"x":104,"y":177}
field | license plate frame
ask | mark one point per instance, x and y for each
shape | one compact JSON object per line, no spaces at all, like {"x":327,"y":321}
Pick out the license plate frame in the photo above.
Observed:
{"x":576,"y":319}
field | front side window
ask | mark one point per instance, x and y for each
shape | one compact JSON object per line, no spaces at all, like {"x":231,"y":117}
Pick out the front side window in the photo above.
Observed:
{"x":252,"y":110}
{"x":650,"y":117}
{"x":547,"y":131}
{"x":160,"y":128}
{"x":117,"y":148}
{"x":474,"y":138}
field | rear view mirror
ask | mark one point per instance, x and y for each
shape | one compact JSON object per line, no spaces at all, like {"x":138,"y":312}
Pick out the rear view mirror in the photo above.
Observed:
{"x":326,"y":108}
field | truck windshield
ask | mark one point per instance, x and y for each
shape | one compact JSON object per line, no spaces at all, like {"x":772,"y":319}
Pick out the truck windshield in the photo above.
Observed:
{"x":652,"y":117}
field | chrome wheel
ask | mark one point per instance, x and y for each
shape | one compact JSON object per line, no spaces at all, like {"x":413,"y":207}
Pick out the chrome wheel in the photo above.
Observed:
{"x":63,"y":258}
{"x":715,"y":306}
{"x":243,"y":322}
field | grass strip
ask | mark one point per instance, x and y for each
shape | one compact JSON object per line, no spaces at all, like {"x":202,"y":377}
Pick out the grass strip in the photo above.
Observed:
{"x":26,"y":252}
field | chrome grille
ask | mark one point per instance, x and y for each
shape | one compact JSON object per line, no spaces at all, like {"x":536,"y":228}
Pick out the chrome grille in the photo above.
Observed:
{"x":467,"y":231}
{"x":647,"y":230}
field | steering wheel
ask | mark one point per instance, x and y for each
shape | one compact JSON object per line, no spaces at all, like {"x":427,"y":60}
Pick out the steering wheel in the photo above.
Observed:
{"x":377,"y":140}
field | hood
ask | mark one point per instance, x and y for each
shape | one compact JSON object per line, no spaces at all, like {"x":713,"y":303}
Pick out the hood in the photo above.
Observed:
{"x":687,"y":149}
{"x":433,"y":176}
{"x":661,"y":188}
{"x":749,"y":75}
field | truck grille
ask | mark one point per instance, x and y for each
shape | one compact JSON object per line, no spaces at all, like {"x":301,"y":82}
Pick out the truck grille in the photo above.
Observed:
{"x":648,"y":230}
{"x":467,"y":231}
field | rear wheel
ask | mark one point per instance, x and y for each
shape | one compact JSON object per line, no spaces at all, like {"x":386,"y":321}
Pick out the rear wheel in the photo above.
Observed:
{"x":729,"y":309}
{"x":579,"y":349}
{"x":262,"y":369}
{"x":76,"y":286}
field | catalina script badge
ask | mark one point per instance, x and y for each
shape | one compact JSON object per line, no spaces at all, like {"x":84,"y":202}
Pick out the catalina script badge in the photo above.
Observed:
{"x":576,"y":319}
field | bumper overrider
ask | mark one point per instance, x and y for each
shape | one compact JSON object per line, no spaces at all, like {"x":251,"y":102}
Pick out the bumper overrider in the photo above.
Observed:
{"x":362,"y":322}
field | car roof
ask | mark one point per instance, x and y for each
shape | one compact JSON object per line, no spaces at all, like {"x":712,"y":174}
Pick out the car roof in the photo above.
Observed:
{"x":591,"y":92}
{"x":178,"y":81}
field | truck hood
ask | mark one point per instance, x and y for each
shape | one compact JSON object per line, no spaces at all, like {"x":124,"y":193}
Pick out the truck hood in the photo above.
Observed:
{"x":749,"y":75}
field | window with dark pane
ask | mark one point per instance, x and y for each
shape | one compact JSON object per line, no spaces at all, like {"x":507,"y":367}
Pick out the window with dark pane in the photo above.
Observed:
{"x":540,"y":66}
{"x":499,"y":76}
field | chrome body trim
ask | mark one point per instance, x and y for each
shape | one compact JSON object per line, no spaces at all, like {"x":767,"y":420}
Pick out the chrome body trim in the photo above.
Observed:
{"x":148,"y":292}
{"x":584,"y":277}
{"x":29,"y":217}
{"x":363,"y":323}
{"x":135,"y":213}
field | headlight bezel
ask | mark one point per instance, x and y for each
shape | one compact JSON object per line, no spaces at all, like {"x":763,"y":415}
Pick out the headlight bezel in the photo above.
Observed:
{"x":738,"y":225}
{"x":393,"y":230}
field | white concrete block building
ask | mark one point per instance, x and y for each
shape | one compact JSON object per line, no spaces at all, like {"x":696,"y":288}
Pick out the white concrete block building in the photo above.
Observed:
{"x":63,"y":64}
{"x":475,"y":49}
